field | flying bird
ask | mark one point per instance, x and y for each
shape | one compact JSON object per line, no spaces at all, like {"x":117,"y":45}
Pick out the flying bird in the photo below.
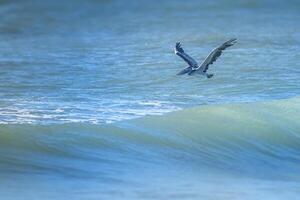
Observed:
{"x":193,"y":67}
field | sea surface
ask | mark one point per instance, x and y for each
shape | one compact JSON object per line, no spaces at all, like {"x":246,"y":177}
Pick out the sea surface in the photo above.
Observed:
{"x":91,"y":107}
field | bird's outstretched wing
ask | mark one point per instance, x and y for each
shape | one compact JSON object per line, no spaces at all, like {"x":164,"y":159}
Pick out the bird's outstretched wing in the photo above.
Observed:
{"x":180,"y":52}
{"x":213,"y":56}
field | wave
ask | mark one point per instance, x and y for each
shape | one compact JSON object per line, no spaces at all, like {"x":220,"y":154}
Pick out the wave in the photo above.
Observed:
{"x":254,"y":138}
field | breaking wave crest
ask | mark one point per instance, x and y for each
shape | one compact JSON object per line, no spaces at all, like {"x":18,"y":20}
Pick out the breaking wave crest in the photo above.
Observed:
{"x":257,"y":138}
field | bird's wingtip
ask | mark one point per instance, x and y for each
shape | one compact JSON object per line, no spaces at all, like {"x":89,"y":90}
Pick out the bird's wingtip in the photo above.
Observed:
{"x":231,"y":42}
{"x":234,"y":40}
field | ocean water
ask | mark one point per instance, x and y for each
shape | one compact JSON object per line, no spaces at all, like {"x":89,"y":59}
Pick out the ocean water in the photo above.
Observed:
{"x":91,"y":107}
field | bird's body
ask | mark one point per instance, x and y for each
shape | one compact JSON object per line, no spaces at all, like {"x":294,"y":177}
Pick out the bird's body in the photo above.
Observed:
{"x":193,"y":67}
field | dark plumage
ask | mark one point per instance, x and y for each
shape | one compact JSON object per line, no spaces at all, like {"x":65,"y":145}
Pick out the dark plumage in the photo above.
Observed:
{"x":210,"y":59}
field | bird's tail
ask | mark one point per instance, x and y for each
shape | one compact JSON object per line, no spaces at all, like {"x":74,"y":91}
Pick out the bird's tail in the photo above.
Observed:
{"x":209,"y":75}
{"x":184,"y":71}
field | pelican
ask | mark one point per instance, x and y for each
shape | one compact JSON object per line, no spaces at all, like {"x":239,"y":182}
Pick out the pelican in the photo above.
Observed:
{"x":193,"y":67}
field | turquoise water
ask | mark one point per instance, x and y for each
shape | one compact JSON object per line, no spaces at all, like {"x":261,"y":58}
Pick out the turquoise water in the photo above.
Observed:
{"x":91,"y":108}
